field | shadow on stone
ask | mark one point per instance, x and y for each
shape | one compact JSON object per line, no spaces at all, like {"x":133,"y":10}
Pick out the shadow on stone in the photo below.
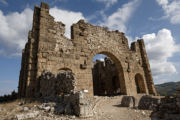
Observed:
{"x":57,"y":95}
{"x":128,"y":101}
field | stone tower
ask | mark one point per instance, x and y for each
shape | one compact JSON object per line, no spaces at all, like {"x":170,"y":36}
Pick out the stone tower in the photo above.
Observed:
{"x":49,"y":52}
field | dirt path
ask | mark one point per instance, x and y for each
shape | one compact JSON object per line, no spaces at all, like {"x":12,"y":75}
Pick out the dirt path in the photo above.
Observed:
{"x":110,"y":109}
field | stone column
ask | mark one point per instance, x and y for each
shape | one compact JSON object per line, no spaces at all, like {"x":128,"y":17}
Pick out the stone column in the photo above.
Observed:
{"x":146,"y":67}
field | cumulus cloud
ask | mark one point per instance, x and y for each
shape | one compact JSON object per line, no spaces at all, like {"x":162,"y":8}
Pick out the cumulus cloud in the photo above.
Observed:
{"x":101,"y":13}
{"x":67,"y":17}
{"x":160,"y":47}
{"x":166,"y":78}
{"x":107,"y":2}
{"x":15,"y":26}
{"x":171,"y":10}
{"x":4,"y":2}
{"x":1,"y":52}
{"x":162,"y":2}
{"x":119,"y":18}
{"x":99,"y":57}
{"x":14,"y":30}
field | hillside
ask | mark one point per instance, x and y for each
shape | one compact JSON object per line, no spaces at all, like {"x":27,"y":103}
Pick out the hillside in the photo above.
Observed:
{"x":167,"y":89}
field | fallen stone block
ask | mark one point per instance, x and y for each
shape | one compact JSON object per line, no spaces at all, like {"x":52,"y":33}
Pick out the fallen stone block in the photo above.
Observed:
{"x":148,"y":102}
{"x":25,"y":108}
{"x":128,"y":101}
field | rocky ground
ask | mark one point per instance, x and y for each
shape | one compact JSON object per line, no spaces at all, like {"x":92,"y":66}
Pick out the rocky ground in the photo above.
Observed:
{"x":106,"y":108}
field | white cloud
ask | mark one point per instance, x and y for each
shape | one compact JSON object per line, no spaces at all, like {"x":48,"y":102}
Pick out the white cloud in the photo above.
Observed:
{"x":99,"y":57}
{"x":101,"y":13}
{"x":108,"y":2}
{"x":1,"y":52}
{"x":4,"y":2}
{"x":166,"y":78}
{"x":14,"y":28}
{"x":160,"y":47}
{"x":171,"y":10}
{"x":67,"y":17}
{"x":162,"y":2}
{"x":162,"y":67}
{"x":119,"y":18}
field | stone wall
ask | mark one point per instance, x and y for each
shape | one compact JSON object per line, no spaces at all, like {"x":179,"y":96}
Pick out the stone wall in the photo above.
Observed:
{"x":169,"y":108}
{"x":49,"y":51}
{"x":178,"y":96}
{"x":52,"y":86}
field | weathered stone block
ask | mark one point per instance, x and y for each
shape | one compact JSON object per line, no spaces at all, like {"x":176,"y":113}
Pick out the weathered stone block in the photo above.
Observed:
{"x":148,"y":102}
{"x":128,"y":101}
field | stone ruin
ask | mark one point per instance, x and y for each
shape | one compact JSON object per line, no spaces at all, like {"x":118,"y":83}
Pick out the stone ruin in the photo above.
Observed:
{"x":169,"y":108}
{"x":54,"y":65}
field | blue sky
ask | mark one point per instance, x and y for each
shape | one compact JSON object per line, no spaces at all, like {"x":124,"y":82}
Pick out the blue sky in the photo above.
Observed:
{"x":156,"y":21}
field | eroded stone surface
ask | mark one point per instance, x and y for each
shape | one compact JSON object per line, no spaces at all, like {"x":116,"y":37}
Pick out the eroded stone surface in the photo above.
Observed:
{"x":128,"y":101}
{"x":51,"y":85}
{"x":30,"y":115}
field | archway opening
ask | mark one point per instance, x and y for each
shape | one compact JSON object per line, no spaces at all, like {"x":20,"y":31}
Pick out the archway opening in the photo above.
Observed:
{"x":140,"y":86}
{"x":107,"y":76}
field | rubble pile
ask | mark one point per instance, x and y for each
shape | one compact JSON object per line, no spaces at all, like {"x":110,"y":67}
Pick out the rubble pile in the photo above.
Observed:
{"x":41,"y":111}
{"x":69,"y":104}
{"x":169,"y":109}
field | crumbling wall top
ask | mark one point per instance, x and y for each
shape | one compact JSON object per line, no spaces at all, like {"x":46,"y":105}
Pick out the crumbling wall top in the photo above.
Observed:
{"x":44,"y":5}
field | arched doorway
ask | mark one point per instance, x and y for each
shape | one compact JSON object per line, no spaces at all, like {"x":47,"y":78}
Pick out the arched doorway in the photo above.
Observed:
{"x":108,"y":78}
{"x":140,"y":86}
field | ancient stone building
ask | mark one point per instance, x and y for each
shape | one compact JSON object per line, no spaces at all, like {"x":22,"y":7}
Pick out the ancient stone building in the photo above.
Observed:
{"x":48,"y":52}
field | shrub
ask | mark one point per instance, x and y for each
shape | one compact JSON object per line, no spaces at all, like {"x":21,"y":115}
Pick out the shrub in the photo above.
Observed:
{"x":9,"y":97}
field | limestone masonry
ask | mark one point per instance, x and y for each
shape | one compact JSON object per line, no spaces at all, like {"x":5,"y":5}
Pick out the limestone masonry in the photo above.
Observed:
{"x":50,"y":59}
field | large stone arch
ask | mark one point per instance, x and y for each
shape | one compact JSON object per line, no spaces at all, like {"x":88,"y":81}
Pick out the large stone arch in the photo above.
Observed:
{"x":118,"y":66}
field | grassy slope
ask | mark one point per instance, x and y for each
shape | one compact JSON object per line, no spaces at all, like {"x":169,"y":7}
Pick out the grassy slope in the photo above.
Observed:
{"x":167,"y":89}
